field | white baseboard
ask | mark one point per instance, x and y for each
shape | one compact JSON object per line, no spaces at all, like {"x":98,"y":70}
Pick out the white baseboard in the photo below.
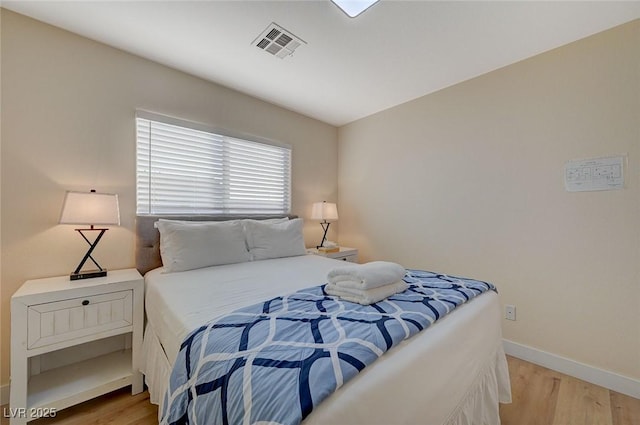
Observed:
{"x":603,"y":378}
{"x":4,"y":394}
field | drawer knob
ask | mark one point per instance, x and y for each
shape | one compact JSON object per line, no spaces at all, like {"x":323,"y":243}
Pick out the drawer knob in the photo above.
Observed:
{"x":85,"y":302}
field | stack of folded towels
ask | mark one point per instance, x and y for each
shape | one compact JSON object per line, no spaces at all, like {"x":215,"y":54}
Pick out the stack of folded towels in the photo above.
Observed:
{"x":366,"y":283}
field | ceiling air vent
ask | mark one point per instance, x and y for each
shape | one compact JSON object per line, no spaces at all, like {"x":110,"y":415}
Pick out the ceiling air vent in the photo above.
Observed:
{"x":277,"y":41}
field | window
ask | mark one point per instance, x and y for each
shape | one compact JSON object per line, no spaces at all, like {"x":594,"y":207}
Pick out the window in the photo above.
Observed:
{"x":183,"y":169}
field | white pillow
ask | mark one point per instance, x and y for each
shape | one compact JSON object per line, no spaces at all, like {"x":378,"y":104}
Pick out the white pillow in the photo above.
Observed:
{"x":275,"y":240}
{"x":193,"y":246}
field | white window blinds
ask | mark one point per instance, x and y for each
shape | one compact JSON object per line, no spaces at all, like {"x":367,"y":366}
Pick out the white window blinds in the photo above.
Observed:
{"x":182,"y":170}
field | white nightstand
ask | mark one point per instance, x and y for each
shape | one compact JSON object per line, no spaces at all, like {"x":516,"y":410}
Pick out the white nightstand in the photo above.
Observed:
{"x":56,"y":318}
{"x":345,"y":254}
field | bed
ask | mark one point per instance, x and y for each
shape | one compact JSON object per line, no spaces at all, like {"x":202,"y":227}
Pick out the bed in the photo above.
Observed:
{"x":454,"y":372}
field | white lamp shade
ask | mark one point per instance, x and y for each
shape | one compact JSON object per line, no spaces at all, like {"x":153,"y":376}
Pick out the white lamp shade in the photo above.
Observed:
{"x":90,"y":208}
{"x":324,"y":211}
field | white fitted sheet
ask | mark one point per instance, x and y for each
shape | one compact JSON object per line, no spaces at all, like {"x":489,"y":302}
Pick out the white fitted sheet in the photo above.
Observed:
{"x":453,"y":373}
{"x":177,"y":303}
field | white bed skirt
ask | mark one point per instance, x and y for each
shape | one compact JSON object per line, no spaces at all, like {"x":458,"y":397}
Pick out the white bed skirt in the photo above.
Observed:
{"x":155,"y":367}
{"x":492,"y":386}
{"x":479,"y":406}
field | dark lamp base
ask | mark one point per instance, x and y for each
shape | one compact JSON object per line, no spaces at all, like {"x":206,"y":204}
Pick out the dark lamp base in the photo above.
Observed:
{"x":88,"y":274}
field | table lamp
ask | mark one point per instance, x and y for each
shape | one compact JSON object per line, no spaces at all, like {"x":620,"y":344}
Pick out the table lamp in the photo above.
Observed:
{"x":324,"y":211}
{"x":90,"y":208}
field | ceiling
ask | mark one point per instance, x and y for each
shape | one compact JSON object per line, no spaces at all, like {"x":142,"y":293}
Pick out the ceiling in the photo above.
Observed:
{"x":349,"y":68}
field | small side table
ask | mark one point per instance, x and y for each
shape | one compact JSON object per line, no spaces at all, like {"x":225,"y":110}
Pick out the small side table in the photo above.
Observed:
{"x":52,"y":314}
{"x":345,"y":254}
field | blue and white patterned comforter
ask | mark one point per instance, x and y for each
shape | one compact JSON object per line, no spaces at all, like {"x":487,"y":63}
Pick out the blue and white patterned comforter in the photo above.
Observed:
{"x":275,"y":361}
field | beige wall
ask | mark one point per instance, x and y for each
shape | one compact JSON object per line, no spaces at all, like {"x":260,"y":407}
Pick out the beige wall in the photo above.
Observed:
{"x":68,"y":108}
{"x":469,"y":181}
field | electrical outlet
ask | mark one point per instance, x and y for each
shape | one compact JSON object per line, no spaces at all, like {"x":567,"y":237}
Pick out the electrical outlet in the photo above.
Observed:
{"x":510,"y":312}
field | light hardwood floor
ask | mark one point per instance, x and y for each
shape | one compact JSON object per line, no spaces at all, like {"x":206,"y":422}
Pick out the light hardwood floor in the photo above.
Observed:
{"x":540,"y":397}
{"x":544,"y":397}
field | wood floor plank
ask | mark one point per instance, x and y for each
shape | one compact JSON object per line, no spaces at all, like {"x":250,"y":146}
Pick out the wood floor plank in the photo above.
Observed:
{"x":625,"y":410}
{"x":534,"y":392}
{"x":581,"y":403}
{"x":576,"y":402}
{"x":116,"y":408}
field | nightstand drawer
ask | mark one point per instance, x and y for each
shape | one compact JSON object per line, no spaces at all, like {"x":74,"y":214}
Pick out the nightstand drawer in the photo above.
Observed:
{"x":55,"y":322}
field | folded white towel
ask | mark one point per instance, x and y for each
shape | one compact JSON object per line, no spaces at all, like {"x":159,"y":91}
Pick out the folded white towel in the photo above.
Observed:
{"x":366,"y":296}
{"x":367,"y":276}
